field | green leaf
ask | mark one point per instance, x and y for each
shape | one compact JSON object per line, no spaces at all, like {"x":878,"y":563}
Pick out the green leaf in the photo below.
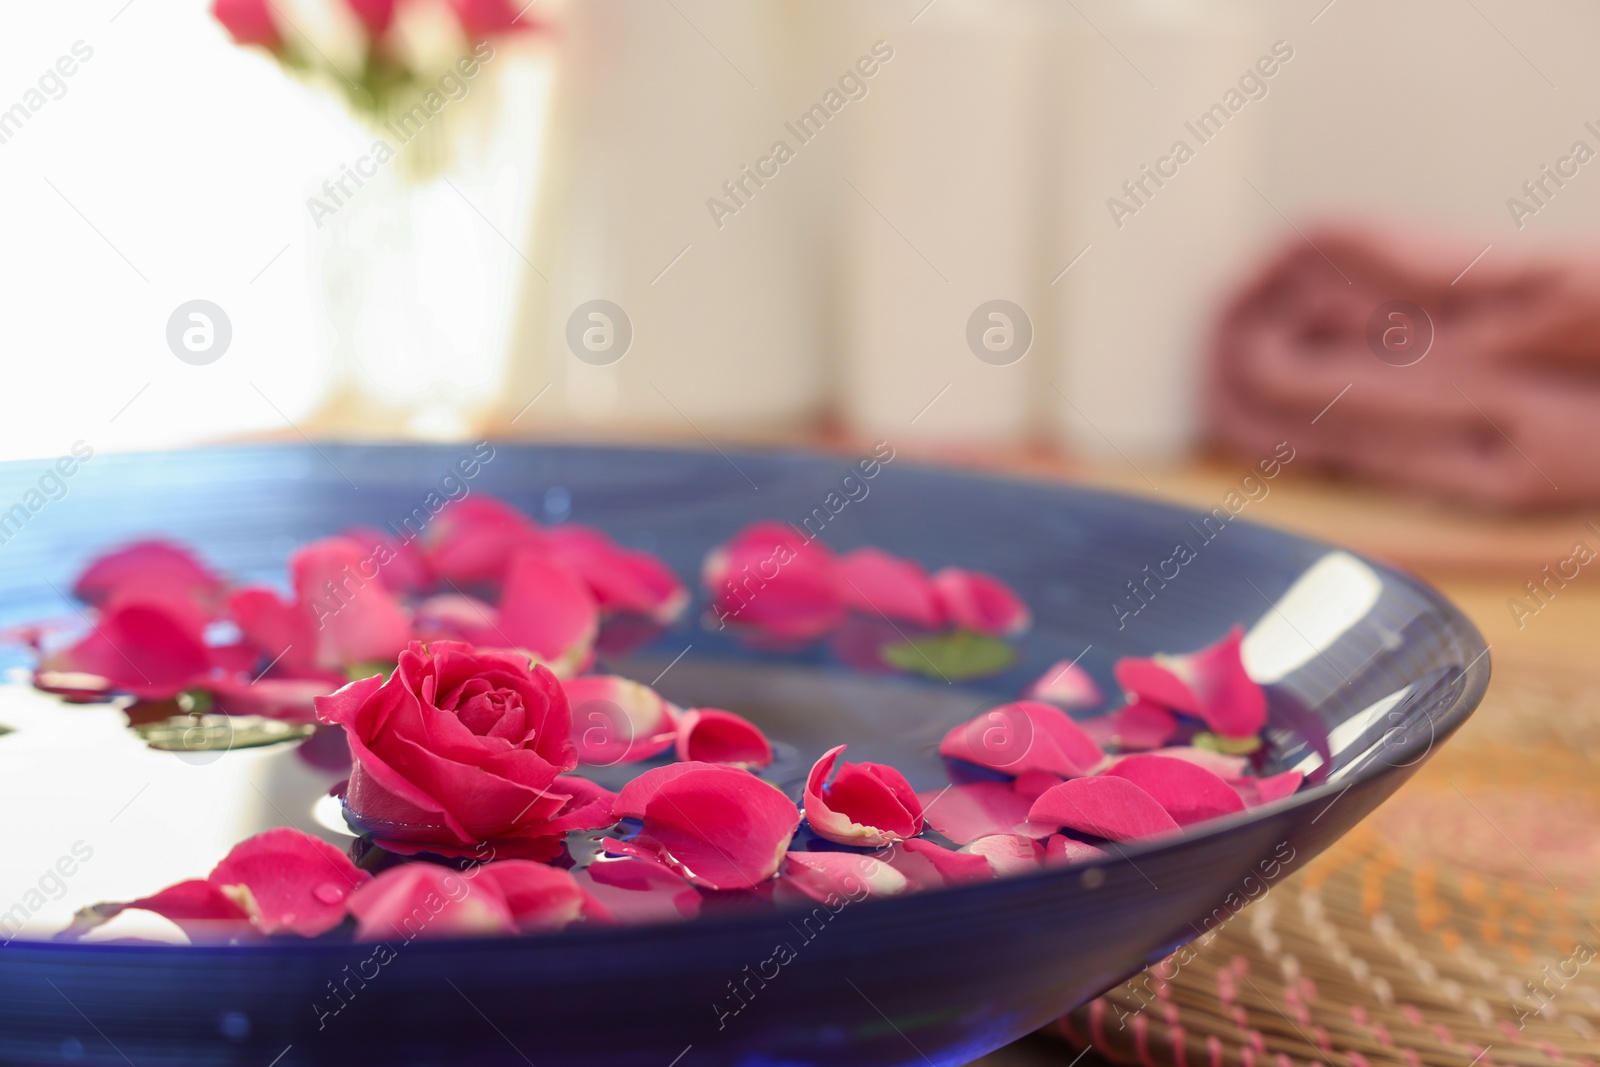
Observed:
{"x":951,"y":657}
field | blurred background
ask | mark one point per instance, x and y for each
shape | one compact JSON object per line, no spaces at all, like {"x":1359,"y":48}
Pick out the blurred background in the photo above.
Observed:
{"x":586,"y":161}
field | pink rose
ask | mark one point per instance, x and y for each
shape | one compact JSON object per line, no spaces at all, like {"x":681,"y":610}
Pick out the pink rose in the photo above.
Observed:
{"x":462,"y":747}
{"x":248,"y":22}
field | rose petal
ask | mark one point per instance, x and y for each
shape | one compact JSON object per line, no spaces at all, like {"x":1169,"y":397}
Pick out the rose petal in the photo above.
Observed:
{"x":472,"y":541}
{"x":1210,"y":684}
{"x":621,"y":579}
{"x":1007,"y":854}
{"x":346,"y":616}
{"x":1139,"y":725}
{"x":145,"y":649}
{"x":1189,"y":792}
{"x":1062,"y":851}
{"x":1258,"y":791}
{"x":964,"y":813}
{"x":541,"y":898}
{"x":427,"y":900}
{"x":453,"y":617}
{"x":203,"y":910}
{"x":150,"y":566}
{"x":828,"y":877}
{"x":868,"y":804}
{"x":640,"y":889}
{"x":954,"y":867}
{"x":879,"y":584}
{"x":711,"y":735}
{"x":275,"y":698}
{"x":772,"y":579}
{"x":617,"y":720}
{"x":1024,"y":736}
{"x":547,"y":610}
{"x":1109,"y":807}
{"x":720,"y":827}
{"x":1066,"y":685}
{"x":1228,"y":768}
{"x":299,"y":883}
{"x":981,"y":602}
{"x":402,"y":567}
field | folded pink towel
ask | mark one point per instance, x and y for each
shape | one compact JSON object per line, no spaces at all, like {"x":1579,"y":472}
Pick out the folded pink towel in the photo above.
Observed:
{"x":1483,"y":386}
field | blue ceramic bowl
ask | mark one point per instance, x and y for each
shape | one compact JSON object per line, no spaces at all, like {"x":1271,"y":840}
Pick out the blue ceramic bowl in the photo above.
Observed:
{"x":1367,"y":670}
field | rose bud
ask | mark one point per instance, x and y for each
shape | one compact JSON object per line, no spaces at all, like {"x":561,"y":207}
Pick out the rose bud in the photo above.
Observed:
{"x":868,"y":804}
{"x":719,"y":827}
{"x":472,"y":540}
{"x":974,"y":601}
{"x":248,"y":22}
{"x":1211,"y":684}
{"x":773,"y":580}
{"x":1024,"y":736}
{"x":1066,"y":685}
{"x":280,"y":881}
{"x":459,"y":747}
{"x":547,"y":610}
{"x":488,"y":18}
{"x":617,"y":720}
{"x":375,"y":15}
{"x":620,"y":579}
{"x":711,"y":735}
{"x":877,"y":583}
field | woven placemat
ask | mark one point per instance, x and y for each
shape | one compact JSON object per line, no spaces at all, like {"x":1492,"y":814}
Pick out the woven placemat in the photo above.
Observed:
{"x":1456,"y":926}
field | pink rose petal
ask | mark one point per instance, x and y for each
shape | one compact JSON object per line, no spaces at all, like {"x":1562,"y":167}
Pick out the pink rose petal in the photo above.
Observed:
{"x":147,"y":649}
{"x":203,"y":910}
{"x":711,"y":735}
{"x":1188,"y":792}
{"x":1139,"y":725}
{"x":299,"y":883}
{"x":1210,"y":684}
{"x":1228,"y":768}
{"x":828,"y":877}
{"x":1007,"y":854}
{"x":954,"y":867}
{"x":427,"y":900}
{"x":1258,"y":791}
{"x":154,"y":566}
{"x":974,"y":601}
{"x":1024,"y":736}
{"x":868,"y":804}
{"x":639,"y":889}
{"x":1103,"y":806}
{"x":472,"y":541}
{"x":879,"y":584}
{"x":248,"y":22}
{"x":621,"y":579}
{"x":617,"y":720}
{"x":453,"y":617}
{"x":720,"y":827}
{"x":1066,"y":685}
{"x":1061,"y":851}
{"x":401,"y":565}
{"x":547,"y":610}
{"x":771,"y":579}
{"x":539,"y":897}
{"x":964,"y":813}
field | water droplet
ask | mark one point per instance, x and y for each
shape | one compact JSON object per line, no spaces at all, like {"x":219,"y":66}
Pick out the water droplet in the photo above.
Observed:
{"x":328,"y":893}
